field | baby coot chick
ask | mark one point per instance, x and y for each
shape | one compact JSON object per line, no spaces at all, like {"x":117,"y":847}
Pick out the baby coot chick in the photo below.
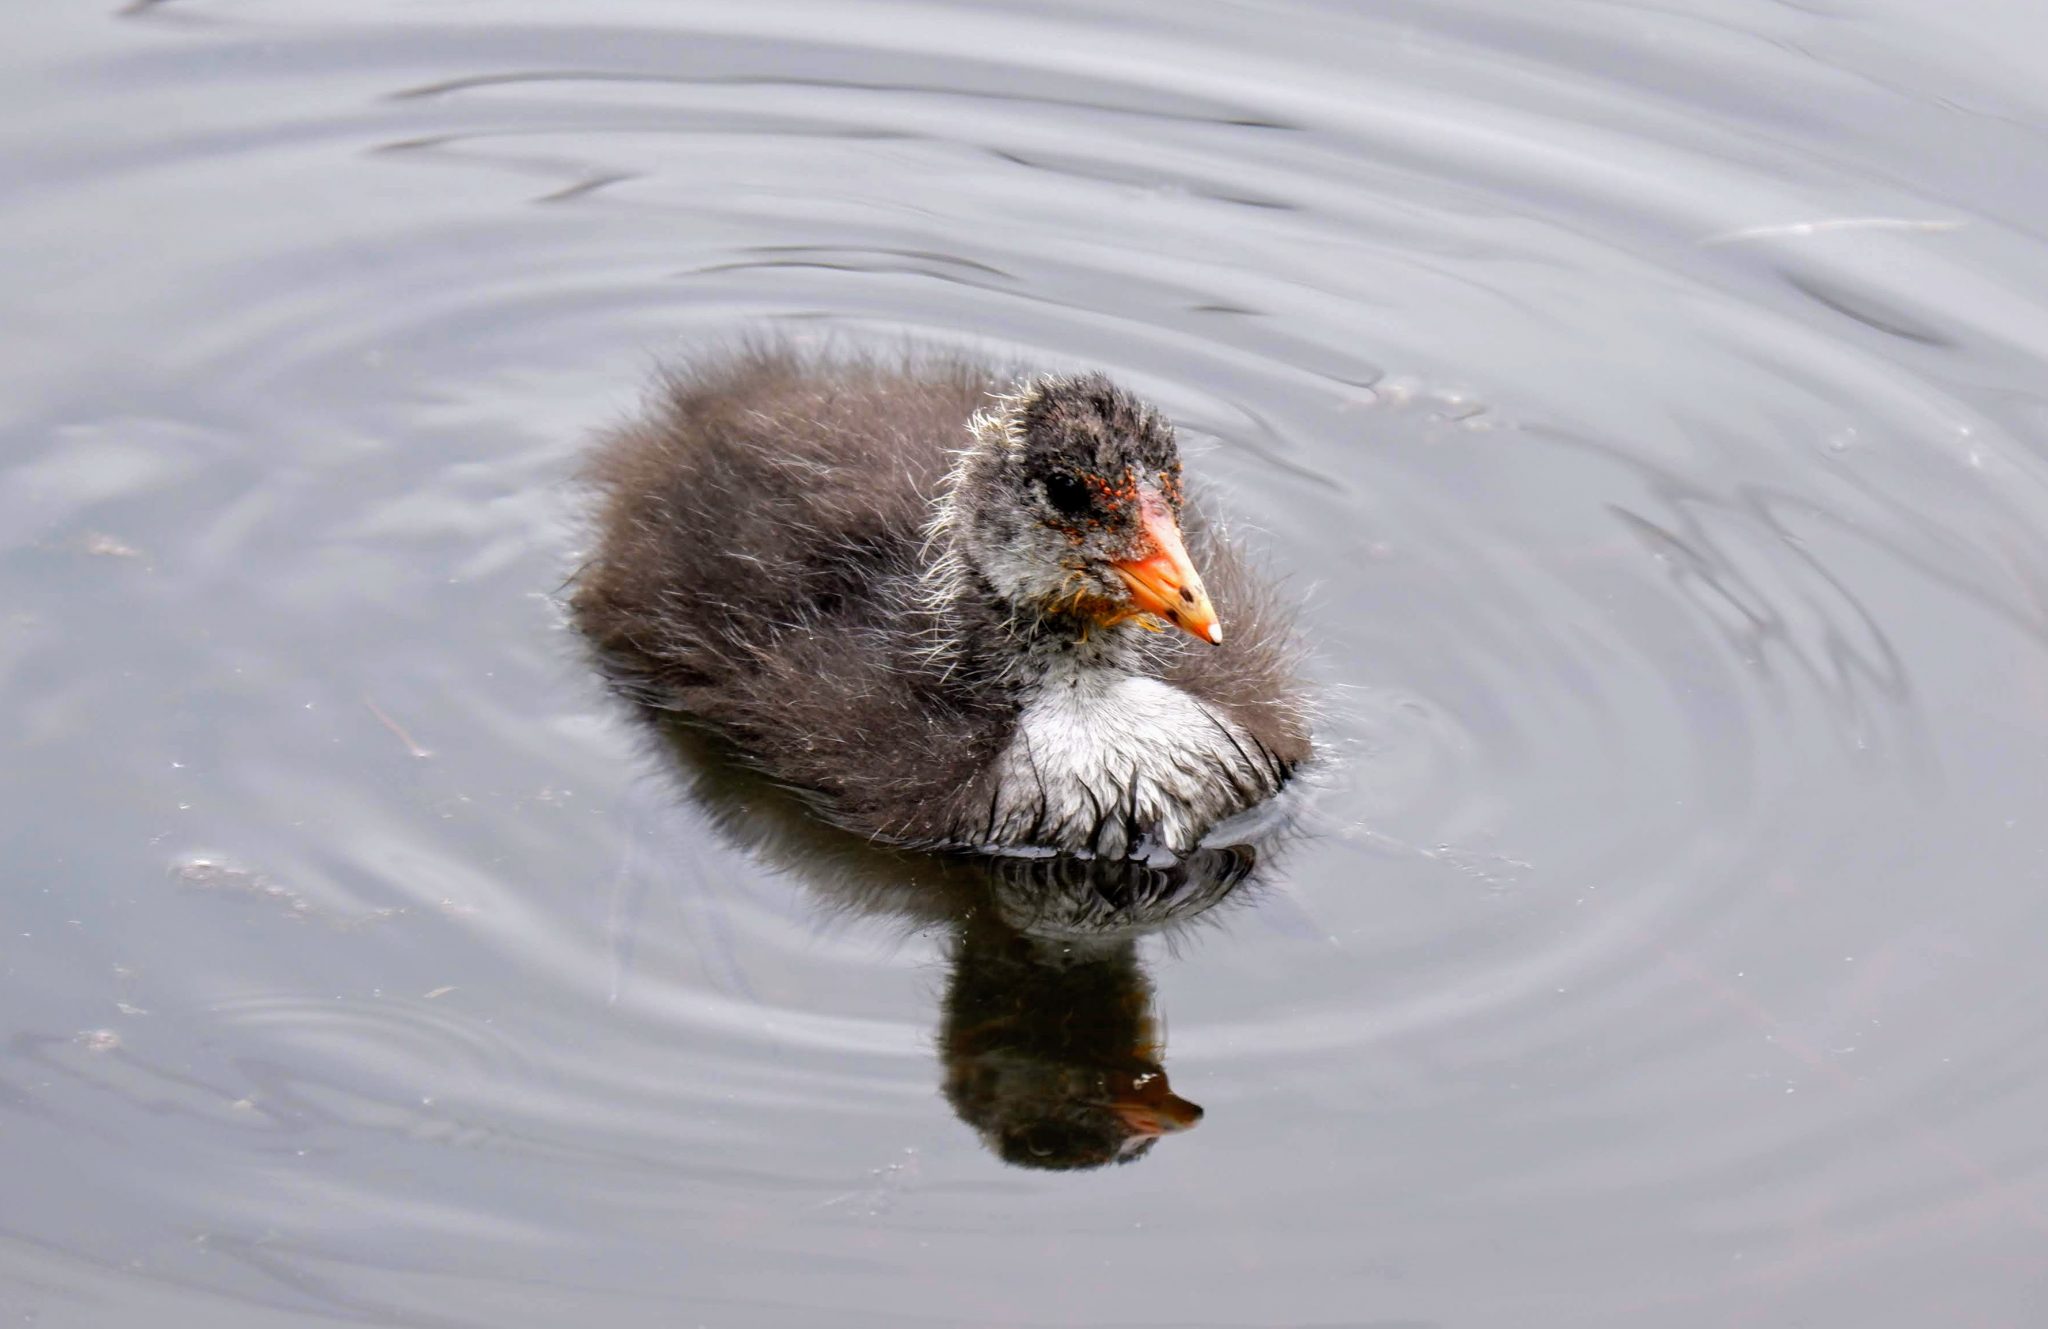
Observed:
{"x":931,"y":598}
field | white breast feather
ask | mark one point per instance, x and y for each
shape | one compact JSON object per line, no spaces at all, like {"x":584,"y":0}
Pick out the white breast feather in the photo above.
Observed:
{"x":1097,"y":752}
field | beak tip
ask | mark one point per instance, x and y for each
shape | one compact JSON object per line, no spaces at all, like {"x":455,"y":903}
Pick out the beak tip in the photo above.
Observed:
{"x":1163,"y":583}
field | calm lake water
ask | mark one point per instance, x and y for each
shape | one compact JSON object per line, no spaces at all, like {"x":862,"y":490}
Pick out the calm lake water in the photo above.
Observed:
{"x":1645,"y":401}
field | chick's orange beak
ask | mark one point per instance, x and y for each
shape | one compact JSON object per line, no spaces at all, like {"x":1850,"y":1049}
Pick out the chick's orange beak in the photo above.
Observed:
{"x":1164,"y":582}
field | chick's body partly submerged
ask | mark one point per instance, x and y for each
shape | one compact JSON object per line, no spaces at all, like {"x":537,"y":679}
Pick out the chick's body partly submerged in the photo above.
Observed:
{"x":927,"y":595}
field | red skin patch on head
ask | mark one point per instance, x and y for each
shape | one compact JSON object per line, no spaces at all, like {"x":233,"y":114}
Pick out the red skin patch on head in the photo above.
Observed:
{"x":1113,"y":497}
{"x":1115,"y":501}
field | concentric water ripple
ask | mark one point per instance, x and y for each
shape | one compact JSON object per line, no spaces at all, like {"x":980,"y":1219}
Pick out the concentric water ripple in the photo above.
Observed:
{"x":1643,"y":402}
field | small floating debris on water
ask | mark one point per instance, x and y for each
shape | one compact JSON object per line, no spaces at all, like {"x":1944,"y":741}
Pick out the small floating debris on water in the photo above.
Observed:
{"x":101,"y":545}
{"x":396,"y":728}
{"x":1828,"y":225}
{"x":885,"y":1185}
{"x":208,"y":874}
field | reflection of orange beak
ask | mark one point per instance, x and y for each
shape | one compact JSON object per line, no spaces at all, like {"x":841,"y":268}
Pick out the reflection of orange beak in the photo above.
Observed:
{"x":1170,"y":1113}
{"x":1164,"y":582}
{"x":1148,"y":1107}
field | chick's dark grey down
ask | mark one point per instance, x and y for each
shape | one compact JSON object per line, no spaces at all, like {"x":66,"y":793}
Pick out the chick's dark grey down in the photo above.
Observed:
{"x":890,"y":584}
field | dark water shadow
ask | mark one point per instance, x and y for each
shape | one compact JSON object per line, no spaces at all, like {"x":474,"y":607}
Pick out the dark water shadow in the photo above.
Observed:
{"x":1048,"y":1032}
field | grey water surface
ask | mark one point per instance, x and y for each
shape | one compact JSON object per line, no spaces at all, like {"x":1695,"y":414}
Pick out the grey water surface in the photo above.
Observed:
{"x":1645,"y":402}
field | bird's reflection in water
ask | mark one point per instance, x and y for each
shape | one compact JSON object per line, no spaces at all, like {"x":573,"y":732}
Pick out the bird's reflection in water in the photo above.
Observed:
{"x":1049,"y":1035}
{"x":1048,"y":1032}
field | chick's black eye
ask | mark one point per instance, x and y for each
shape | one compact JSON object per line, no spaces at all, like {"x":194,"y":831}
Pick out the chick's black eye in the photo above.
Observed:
{"x":1068,"y":495}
